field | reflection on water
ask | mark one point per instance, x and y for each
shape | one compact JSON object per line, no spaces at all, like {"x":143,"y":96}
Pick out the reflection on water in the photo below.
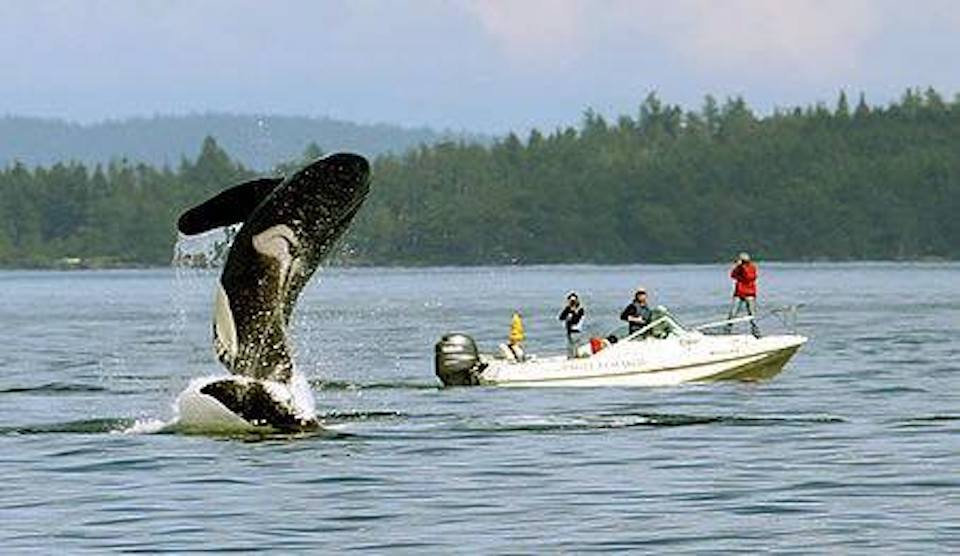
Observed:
{"x":854,"y":447}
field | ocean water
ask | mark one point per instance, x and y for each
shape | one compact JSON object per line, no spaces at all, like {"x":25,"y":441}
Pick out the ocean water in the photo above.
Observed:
{"x":854,"y":448}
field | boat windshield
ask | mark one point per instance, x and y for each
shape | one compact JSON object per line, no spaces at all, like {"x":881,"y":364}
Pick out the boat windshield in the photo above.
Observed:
{"x":663,"y":325}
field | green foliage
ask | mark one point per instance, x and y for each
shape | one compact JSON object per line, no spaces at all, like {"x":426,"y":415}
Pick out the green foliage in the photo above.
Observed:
{"x":121,"y":215}
{"x":813,"y":183}
{"x":664,"y":186}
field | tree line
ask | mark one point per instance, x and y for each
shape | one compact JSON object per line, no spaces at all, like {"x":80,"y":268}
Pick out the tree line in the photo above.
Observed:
{"x":848,"y":181}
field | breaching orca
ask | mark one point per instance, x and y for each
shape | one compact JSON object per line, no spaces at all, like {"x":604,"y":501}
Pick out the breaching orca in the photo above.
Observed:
{"x":289,"y":227}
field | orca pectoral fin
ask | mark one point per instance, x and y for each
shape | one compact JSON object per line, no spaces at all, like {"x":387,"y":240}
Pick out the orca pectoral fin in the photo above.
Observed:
{"x":228,"y":207}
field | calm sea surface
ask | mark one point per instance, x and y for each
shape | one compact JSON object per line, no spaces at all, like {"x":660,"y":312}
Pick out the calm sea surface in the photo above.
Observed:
{"x":854,"y":448}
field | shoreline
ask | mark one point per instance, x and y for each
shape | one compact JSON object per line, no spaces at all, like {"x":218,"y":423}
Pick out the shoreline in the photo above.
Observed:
{"x":60,"y":267}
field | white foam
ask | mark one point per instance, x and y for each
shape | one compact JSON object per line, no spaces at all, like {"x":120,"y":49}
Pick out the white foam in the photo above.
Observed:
{"x":303,"y":399}
{"x":145,"y":426}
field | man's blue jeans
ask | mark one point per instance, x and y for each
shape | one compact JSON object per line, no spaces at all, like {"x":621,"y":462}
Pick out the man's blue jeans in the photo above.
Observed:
{"x":750,"y":304}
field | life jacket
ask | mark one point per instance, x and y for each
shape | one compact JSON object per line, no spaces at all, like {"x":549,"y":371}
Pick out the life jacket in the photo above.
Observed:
{"x":516,"y":330}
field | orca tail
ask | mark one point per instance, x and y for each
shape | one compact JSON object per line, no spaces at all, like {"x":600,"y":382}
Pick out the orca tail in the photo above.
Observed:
{"x":228,"y":207}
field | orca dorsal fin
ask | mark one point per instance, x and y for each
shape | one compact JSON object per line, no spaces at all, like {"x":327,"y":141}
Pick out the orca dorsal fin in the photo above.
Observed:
{"x":228,"y":207}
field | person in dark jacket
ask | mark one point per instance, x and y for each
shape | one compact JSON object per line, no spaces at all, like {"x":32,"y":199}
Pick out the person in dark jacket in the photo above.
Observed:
{"x":637,"y":313}
{"x":744,"y":273}
{"x":572,"y":317}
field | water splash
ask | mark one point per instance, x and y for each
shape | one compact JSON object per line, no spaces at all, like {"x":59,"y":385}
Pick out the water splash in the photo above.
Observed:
{"x":263,"y":143}
{"x":145,"y":426}
{"x":203,"y":251}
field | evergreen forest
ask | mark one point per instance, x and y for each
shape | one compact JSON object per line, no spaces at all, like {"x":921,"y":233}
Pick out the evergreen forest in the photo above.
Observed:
{"x":848,"y":181}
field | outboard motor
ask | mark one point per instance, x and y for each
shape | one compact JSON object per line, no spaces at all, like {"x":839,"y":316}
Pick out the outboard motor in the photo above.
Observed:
{"x":457,"y":360}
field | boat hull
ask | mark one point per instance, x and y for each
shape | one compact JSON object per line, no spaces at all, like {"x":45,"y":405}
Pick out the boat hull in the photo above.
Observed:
{"x":750,"y":360}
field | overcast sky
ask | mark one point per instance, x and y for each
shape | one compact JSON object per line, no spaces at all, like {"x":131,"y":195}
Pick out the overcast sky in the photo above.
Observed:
{"x":476,"y":65}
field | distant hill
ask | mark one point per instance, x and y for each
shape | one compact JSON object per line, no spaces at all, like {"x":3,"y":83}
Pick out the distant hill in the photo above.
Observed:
{"x":257,"y":142}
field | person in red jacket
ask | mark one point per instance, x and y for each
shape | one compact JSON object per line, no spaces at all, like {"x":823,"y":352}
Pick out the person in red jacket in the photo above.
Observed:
{"x":744,"y":273}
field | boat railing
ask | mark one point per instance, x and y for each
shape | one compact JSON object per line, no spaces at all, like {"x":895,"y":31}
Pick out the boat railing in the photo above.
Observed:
{"x":724,"y":322}
{"x":786,"y":314}
{"x":667,"y":324}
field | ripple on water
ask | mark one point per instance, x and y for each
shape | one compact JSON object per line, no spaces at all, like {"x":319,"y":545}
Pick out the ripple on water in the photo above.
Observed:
{"x":852,"y":449}
{"x":54,"y":389}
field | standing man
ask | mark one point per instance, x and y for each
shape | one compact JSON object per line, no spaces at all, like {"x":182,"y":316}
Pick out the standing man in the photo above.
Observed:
{"x":572,"y":317}
{"x":744,"y":273}
{"x":637,"y":314}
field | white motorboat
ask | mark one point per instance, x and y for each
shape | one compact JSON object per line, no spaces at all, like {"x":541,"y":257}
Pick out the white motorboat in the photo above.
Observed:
{"x":662,"y":353}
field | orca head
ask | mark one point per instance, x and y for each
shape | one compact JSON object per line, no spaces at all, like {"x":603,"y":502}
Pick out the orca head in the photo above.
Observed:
{"x":335,"y":184}
{"x":318,"y":203}
{"x":328,"y":193}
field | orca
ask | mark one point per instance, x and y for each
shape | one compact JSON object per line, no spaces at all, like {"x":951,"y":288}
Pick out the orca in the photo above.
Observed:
{"x":289,"y":227}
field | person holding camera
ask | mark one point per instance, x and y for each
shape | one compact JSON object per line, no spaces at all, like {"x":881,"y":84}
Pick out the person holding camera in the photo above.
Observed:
{"x":572,"y":317}
{"x":744,"y":274}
